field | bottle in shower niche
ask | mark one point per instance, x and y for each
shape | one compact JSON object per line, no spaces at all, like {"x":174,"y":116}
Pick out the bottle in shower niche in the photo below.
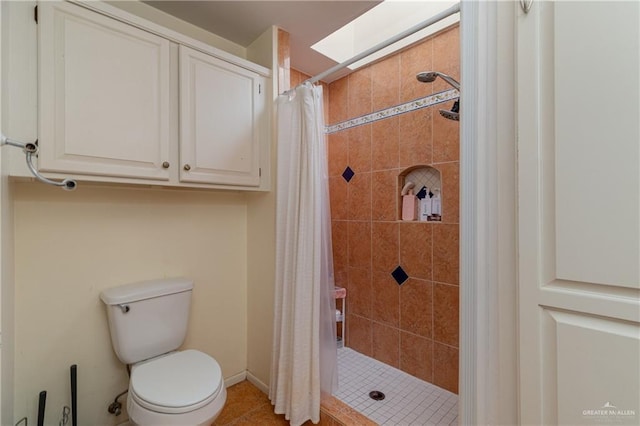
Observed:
{"x":409,"y":202}
{"x":424,"y":209}
{"x":436,"y":205}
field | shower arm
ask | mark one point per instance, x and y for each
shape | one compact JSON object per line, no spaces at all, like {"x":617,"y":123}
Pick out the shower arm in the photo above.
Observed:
{"x":30,"y":149}
{"x":450,"y":80}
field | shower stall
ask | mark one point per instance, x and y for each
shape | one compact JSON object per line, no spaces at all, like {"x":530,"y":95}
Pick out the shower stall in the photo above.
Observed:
{"x":400,"y":361}
{"x":401,"y":276}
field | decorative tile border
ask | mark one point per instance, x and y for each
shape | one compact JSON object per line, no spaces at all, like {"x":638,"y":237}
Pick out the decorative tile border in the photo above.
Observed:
{"x":427,"y":101}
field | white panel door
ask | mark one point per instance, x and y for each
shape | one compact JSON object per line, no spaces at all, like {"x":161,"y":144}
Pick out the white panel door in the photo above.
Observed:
{"x":220,"y":107}
{"x":104,"y":95}
{"x":579,"y":212}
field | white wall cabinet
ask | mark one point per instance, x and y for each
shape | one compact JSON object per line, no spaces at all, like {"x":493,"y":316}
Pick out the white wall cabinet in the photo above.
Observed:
{"x":109,"y":109}
{"x":104,"y":95}
{"x":220,"y":110}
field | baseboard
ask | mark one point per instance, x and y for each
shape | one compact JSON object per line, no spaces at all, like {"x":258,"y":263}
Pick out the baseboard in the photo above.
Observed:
{"x":257,"y":383}
{"x":236,"y":378}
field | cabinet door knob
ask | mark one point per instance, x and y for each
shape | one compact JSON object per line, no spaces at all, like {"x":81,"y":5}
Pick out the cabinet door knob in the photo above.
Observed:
{"x":187,"y":167}
{"x":165,"y":165}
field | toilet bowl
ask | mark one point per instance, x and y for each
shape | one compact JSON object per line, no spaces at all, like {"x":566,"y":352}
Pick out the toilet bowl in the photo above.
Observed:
{"x":148,"y":323}
{"x":181,"y":388}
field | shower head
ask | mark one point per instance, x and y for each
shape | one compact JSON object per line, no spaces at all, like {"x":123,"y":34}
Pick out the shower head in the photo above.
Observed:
{"x":454,"y":113}
{"x":430,"y":76}
{"x":455,"y":116}
{"x":427,"y":76}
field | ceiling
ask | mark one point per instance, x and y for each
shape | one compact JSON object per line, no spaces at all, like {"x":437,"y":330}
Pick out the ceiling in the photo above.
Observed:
{"x":243,"y":21}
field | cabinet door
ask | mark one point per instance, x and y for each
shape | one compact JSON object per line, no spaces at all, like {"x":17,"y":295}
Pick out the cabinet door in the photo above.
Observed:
{"x":220,"y":105}
{"x":104,"y":95}
{"x":579,"y":263}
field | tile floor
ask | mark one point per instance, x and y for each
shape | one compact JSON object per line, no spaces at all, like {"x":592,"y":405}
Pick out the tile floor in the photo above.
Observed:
{"x":248,"y":406}
{"x":409,"y":401}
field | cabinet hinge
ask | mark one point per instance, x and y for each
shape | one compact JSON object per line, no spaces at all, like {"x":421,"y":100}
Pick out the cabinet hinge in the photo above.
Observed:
{"x":35,"y":14}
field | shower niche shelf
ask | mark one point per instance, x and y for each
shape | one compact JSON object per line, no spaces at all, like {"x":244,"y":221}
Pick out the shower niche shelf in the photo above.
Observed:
{"x":422,"y":176}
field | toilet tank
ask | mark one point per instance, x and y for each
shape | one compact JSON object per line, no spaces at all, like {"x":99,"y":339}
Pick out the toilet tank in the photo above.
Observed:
{"x":148,"y":318}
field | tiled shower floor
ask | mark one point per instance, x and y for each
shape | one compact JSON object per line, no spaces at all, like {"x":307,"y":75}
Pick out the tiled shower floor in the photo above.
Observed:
{"x":408,"y":401}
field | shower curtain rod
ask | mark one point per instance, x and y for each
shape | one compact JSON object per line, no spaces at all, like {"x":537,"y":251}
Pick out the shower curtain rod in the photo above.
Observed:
{"x":406,"y":33}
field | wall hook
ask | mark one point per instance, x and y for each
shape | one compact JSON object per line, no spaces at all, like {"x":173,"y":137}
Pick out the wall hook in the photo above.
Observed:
{"x":526,"y":5}
{"x":30,"y":149}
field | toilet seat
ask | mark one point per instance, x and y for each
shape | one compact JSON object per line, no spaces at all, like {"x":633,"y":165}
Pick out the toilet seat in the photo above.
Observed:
{"x":176,"y":383}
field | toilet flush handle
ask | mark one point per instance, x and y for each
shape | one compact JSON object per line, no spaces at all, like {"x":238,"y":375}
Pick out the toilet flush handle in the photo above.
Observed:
{"x":125,"y":308}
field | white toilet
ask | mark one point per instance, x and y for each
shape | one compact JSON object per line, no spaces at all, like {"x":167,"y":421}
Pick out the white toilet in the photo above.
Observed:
{"x":148,"y":322}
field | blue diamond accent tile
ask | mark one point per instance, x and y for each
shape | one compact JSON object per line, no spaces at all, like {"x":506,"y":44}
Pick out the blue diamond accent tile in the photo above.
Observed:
{"x":348,"y":174}
{"x":399,"y":275}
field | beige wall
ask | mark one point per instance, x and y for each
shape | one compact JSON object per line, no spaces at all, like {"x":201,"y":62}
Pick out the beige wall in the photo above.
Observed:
{"x":6,"y":254}
{"x":261,"y":234}
{"x":260,"y":286}
{"x":161,"y":18}
{"x":70,"y":246}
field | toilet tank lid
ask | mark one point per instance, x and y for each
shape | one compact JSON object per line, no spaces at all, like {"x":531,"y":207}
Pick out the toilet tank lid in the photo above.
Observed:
{"x":145,"y":290}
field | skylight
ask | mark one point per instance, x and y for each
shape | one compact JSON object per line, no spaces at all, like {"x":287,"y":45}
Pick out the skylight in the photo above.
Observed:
{"x":384,"y":21}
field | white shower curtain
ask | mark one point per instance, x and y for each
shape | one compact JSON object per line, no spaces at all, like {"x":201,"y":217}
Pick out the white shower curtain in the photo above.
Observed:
{"x":304,"y":360}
